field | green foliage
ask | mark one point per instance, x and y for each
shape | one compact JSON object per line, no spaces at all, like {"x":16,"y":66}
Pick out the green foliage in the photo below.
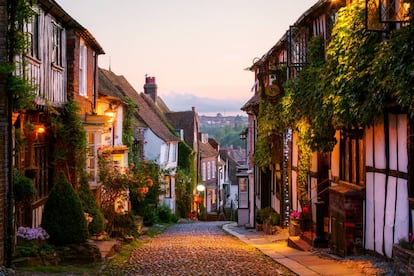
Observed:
{"x":63,"y":217}
{"x":23,"y":187}
{"x":348,"y":78}
{"x":124,"y":224}
{"x":227,"y":136}
{"x":90,"y":206}
{"x":23,"y":93}
{"x":70,"y":135}
{"x":394,"y":68}
{"x":185,"y":179}
{"x":267,"y":215}
{"x":127,"y":128}
{"x":271,"y":123}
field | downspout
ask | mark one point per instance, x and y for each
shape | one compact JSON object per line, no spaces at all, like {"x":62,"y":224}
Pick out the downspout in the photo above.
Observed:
{"x":95,"y":82}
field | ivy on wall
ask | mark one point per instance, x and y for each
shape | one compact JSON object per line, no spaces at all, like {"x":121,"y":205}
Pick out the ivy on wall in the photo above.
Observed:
{"x":20,"y":13}
{"x":127,"y":128}
{"x":349,"y":85}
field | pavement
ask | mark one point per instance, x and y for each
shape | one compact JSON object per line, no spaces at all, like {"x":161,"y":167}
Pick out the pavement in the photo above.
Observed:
{"x":304,"y":263}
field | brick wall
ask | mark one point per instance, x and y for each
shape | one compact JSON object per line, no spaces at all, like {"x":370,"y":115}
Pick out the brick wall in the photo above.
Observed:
{"x":3,"y":132}
{"x":85,"y":104}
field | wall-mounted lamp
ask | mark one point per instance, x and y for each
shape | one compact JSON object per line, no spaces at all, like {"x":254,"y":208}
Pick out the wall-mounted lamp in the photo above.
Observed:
{"x":110,"y":112}
{"x":40,"y":129}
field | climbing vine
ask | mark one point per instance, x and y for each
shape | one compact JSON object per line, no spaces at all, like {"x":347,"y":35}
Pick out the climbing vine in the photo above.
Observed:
{"x":349,"y":85}
{"x":23,"y":92}
{"x":70,"y":136}
{"x":127,"y":128}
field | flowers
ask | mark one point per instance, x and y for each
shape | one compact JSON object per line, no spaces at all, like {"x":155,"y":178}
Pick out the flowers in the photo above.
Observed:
{"x":28,"y":233}
{"x":295,"y":215}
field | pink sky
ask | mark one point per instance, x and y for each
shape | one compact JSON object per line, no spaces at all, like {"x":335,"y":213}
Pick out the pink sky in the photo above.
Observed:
{"x":196,"y":49}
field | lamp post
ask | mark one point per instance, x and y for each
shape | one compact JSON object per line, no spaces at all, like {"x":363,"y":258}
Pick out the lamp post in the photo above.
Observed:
{"x":243,"y":137}
{"x":200,"y":188}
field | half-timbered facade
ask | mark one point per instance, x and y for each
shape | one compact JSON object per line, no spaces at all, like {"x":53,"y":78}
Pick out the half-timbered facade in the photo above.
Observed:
{"x":358,"y":194}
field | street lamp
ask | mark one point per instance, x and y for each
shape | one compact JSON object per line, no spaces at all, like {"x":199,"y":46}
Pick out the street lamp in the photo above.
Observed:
{"x":243,"y":137}
{"x":201,"y":188}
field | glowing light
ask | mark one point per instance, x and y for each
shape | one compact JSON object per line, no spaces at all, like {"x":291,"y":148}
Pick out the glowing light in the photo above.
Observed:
{"x":201,"y":187}
{"x":40,"y":129}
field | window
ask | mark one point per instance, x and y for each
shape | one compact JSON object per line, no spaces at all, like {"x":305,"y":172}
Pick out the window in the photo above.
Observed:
{"x":33,"y":37}
{"x":166,"y":153}
{"x":243,"y":193}
{"x":203,"y":171}
{"x":91,"y":160}
{"x":174,"y":152}
{"x":208,"y":170}
{"x":213,"y":172}
{"x":83,"y":51}
{"x":352,"y":157}
{"x":57,"y":45}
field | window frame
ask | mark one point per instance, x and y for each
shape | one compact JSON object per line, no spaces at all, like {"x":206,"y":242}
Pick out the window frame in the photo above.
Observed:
{"x":352,"y":156}
{"x":83,"y":67}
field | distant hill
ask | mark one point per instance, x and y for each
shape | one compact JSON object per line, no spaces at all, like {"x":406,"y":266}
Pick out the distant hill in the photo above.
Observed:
{"x":222,"y":121}
{"x":225,"y":129}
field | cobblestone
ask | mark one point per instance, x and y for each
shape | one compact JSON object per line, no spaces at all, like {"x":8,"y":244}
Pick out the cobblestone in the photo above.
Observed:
{"x":199,"y":248}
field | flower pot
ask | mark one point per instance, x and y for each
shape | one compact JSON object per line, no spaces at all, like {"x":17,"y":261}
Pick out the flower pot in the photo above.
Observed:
{"x":294,"y":228}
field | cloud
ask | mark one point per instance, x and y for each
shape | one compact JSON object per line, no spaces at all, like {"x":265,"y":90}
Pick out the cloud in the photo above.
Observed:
{"x":203,"y":105}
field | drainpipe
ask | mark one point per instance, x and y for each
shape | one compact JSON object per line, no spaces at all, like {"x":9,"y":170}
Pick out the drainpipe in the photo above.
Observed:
{"x":95,"y":83}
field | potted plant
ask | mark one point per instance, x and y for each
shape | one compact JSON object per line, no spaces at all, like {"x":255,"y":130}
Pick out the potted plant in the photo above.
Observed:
{"x":259,"y":219}
{"x":294,"y":223}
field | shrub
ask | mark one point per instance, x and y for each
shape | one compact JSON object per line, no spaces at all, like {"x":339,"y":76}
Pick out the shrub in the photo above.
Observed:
{"x":63,"y":217}
{"x":90,"y":206}
{"x":23,"y":187}
{"x":124,"y":224}
{"x":164,"y":213}
{"x":149,"y":215}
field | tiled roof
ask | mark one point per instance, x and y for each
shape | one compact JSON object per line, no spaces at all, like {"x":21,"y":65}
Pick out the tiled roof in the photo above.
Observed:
{"x":145,"y":113}
{"x":233,"y":164}
{"x":206,"y":150}
{"x":53,"y":8}
{"x":253,"y":102}
{"x":186,"y":120}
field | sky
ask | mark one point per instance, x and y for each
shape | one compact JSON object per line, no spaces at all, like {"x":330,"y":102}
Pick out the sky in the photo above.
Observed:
{"x":198,"y":50}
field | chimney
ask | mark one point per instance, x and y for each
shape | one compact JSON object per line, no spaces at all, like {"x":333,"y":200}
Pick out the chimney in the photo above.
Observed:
{"x":150,"y":88}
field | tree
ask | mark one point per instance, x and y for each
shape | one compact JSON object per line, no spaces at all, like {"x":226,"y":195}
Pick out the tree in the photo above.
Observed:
{"x":63,"y":217}
{"x":90,"y":206}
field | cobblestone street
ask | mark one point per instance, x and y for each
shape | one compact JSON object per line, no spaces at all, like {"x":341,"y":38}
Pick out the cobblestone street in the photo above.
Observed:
{"x":200,"y":248}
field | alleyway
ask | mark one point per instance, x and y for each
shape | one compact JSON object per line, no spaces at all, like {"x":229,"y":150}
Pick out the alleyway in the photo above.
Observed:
{"x":201,"y":248}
